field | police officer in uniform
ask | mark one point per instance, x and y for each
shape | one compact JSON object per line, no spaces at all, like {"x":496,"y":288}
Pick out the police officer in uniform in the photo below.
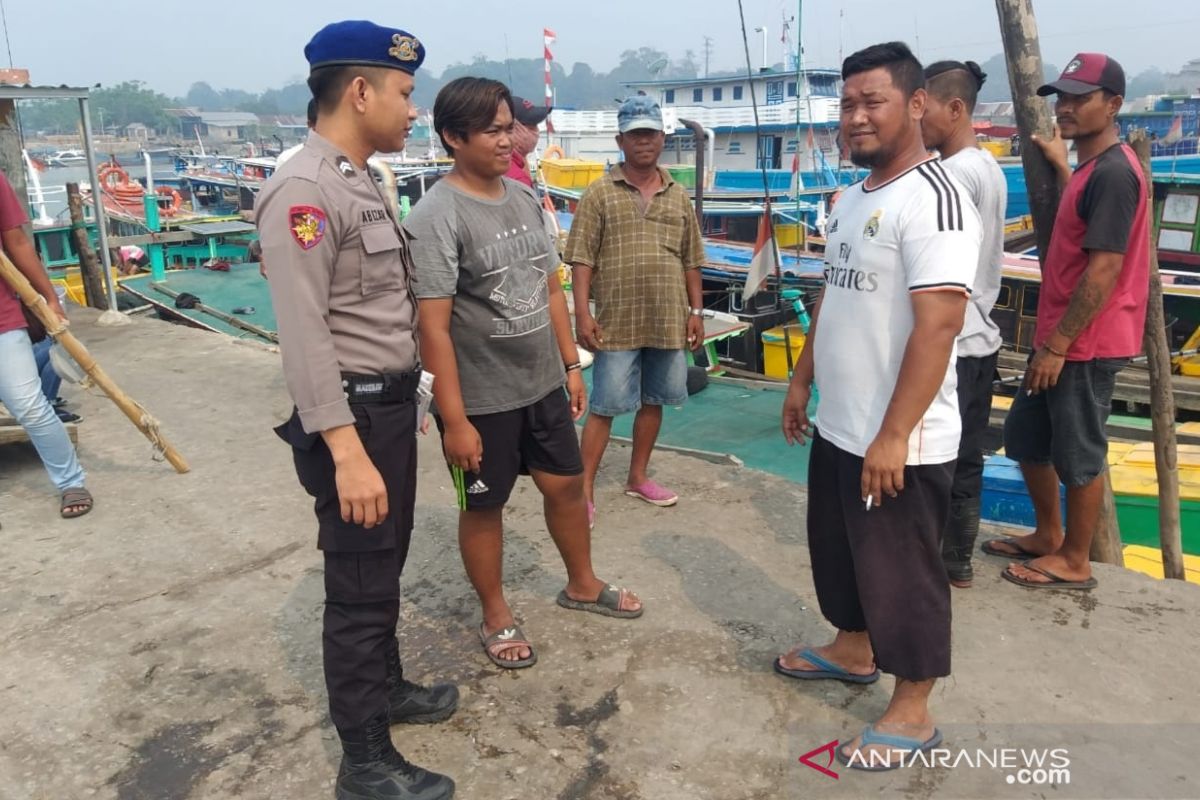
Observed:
{"x":340,"y":271}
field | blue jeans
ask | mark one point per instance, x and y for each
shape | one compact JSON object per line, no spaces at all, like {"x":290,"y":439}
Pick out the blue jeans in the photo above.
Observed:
{"x":625,"y":380}
{"x":51,"y":380}
{"x":21,"y":393}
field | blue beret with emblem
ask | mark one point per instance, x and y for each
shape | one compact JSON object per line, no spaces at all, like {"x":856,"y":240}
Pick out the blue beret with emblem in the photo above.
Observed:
{"x":362,"y":43}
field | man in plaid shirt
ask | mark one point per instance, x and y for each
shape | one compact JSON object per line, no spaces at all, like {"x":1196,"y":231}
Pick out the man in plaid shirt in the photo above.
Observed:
{"x":635,"y":249}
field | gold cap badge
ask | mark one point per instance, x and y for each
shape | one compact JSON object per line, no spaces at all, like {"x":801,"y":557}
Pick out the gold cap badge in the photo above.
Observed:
{"x":404,"y":48}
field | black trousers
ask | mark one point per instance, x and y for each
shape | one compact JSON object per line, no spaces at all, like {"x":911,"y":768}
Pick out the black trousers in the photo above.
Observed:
{"x":881,"y":570}
{"x":362,"y":567}
{"x":975,"y":376}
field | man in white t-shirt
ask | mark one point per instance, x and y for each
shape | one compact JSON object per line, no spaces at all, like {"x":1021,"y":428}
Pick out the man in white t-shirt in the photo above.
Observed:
{"x":952,"y":88}
{"x":899,"y":260}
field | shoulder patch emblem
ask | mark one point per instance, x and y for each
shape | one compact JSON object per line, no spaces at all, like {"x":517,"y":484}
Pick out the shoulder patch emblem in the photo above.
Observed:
{"x":307,"y":224}
{"x":404,"y":48}
{"x":871,"y":229}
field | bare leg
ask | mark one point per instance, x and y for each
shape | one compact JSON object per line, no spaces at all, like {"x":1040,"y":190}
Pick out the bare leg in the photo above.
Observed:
{"x":481,"y":543}
{"x":645,"y":433}
{"x":1042,"y":482}
{"x":596,"y":432}
{"x":1071,"y":561}
{"x":566,"y":518}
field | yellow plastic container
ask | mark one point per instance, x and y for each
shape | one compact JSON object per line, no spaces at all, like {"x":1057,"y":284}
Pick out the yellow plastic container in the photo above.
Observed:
{"x":571,"y":173}
{"x":789,"y":234}
{"x":997,"y":149}
{"x":1190,"y":366}
{"x":774,"y":346}
{"x":73,"y":282}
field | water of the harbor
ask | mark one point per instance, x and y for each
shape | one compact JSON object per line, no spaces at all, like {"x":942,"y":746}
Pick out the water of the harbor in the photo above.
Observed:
{"x":53,"y":181}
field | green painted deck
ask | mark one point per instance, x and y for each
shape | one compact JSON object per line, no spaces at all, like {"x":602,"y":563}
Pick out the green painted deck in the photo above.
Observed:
{"x":242,"y":286}
{"x":730,"y":418}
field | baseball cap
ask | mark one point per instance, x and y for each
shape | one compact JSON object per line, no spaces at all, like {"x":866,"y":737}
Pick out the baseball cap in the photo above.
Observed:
{"x":639,"y":112}
{"x":528,"y":114}
{"x":1087,"y":72}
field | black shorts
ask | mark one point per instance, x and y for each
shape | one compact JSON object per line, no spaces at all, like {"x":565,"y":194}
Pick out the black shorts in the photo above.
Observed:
{"x":1064,"y":425}
{"x":540,"y":436}
{"x":389,"y":435}
{"x":881,"y":570}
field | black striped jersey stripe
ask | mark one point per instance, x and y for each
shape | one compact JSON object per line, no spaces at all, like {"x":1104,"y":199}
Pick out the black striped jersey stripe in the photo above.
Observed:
{"x":948,"y":202}
{"x":940,"y":285}
{"x":957,"y":196}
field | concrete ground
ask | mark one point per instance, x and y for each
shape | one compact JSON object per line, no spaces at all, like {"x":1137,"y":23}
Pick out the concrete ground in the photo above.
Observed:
{"x":168,"y":644}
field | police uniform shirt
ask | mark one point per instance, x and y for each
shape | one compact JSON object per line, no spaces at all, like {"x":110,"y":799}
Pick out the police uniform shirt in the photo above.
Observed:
{"x":339,"y":279}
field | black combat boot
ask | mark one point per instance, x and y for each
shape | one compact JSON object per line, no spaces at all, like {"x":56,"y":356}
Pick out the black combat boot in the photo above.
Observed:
{"x":373,"y":770}
{"x":962,"y":528}
{"x":411,"y":703}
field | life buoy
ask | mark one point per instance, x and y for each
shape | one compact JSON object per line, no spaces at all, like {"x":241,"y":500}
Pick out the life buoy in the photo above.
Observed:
{"x":175,"y":198}
{"x":110,"y":170}
{"x":552,"y":152}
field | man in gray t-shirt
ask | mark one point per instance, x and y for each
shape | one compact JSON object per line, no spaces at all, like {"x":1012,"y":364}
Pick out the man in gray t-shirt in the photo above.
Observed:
{"x":952,"y":88}
{"x":496,"y":334}
{"x":494,"y":259}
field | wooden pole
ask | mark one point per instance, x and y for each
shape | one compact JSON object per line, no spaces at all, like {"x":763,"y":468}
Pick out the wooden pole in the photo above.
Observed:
{"x":1162,"y":401}
{"x":89,"y":270}
{"x":1023,"y":56}
{"x":56,"y":328}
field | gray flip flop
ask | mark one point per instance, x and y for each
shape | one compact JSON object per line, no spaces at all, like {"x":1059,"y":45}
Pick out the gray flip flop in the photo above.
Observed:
{"x":1056,"y":582}
{"x":608,"y":604}
{"x":76,"y":496}
{"x":511,"y":635}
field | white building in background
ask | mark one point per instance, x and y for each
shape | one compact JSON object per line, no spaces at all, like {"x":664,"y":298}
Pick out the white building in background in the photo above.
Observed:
{"x":789,"y":106}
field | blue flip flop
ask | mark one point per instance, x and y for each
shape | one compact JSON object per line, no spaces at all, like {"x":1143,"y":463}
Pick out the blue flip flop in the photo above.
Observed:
{"x":828,"y":670}
{"x":870,"y":736}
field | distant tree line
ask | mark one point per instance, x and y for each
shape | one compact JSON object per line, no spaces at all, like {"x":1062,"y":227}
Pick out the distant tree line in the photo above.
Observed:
{"x":117,"y":106}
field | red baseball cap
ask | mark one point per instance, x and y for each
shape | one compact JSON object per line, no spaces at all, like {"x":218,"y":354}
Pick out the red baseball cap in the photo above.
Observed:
{"x":1087,"y":72}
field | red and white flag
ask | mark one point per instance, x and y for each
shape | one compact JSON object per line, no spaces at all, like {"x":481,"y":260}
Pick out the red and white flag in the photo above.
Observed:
{"x":766,"y":256}
{"x":548,"y":38}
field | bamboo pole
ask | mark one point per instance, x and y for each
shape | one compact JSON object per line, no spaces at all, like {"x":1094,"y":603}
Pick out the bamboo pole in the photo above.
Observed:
{"x":1023,"y":55}
{"x":58,"y":329}
{"x":1162,"y":402}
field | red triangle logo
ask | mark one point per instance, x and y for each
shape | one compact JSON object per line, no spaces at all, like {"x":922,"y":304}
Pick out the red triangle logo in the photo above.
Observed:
{"x":826,"y":748}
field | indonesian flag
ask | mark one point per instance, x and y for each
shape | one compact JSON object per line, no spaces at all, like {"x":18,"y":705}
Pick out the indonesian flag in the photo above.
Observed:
{"x":766,"y":256}
{"x":549,"y":35}
{"x":1175,"y":133}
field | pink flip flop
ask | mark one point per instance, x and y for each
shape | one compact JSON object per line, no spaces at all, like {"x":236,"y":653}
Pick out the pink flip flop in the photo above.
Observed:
{"x":652,"y":493}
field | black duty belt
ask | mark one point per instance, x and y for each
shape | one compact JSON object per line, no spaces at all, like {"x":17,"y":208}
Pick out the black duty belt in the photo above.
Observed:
{"x":390,"y":387}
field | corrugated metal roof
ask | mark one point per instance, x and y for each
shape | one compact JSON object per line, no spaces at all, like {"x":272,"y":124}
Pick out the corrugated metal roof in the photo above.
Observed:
{"x":228,"y":118}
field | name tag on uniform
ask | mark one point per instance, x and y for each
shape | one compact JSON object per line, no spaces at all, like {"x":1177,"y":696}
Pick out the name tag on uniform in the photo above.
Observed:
{"x":370,"y":215}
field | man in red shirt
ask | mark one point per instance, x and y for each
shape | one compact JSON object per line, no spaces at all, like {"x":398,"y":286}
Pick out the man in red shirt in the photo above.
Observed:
{"x":1091,"y":315}
{"x":526,"y":119}
{"x":20,"y":382}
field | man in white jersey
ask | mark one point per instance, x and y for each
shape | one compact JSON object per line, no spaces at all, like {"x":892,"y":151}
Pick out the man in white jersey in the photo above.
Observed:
{"x":952,"y":88}
{"x":901,"y":253}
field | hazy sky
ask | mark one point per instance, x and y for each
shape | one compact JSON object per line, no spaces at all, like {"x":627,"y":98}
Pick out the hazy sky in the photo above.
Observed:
{"x":258,"y":44}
